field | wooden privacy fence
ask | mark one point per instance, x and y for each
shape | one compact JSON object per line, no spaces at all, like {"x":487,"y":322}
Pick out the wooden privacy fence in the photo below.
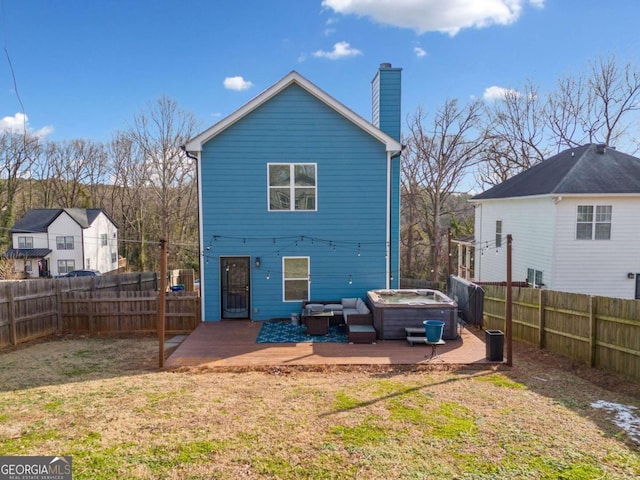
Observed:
{"x":33,"y":309}
{"x":128,"y":312}
{"x":599,"y":331}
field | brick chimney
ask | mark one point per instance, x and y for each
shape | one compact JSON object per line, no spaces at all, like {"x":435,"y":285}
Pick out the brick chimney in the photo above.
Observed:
{"x":386,"y":99}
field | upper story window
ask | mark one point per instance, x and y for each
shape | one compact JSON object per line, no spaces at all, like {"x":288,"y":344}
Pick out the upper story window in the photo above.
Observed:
{"x":25,"y":242}
{"x":498,"y":233}
{"x":292,"y":186}
{"x":594,"y":222}
{"x":64,"y":243}
{"x":103,"y":239}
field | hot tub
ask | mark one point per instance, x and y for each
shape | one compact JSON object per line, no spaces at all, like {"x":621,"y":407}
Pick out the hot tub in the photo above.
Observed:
{"x":393,"y":310}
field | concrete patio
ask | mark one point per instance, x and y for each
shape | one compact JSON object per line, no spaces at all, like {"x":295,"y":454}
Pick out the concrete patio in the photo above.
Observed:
{"x":232,"y":343}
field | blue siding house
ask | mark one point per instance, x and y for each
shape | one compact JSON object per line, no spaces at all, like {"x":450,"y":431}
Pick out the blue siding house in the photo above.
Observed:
{"x":299,"y":200}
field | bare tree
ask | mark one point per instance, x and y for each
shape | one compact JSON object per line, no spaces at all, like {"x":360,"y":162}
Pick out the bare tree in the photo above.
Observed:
{"x":68,"y":170}
{"x":440,"y":157}
{"x":515,"y":135}
{"x":157,"y":135}
{"x":128,"y":198}
{"x":597,"y":107}
{"x":17,"y":154}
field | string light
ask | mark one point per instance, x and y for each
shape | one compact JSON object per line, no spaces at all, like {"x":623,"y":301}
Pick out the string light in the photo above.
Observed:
{"x":268,"y":274}
{"x":350,"y":280}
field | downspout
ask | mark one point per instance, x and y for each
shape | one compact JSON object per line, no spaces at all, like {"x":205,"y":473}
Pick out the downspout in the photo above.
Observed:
{"x":390,"y":216}
{"x":196,"y":159}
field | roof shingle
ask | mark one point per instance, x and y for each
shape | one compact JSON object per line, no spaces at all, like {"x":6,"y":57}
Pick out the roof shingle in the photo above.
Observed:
{"x":581,"y":170}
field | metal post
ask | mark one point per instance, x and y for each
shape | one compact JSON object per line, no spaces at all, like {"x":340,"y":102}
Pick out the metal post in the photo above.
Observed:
{"x":162,"y":298}
{"x":450,"y":264}
{"x":508,"y":307}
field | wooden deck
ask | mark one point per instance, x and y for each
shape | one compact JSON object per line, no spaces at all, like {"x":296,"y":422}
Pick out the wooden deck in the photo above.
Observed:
{"x":233,"y":344}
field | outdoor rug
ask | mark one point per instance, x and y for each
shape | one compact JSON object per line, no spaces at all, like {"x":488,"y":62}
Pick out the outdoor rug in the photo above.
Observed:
{"x":285,"y":332}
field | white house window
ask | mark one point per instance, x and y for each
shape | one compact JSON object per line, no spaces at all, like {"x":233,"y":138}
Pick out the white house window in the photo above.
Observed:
{"x":66,"y":266}
{"x":114,"y":257}
{"x":103,"y":239}
{"x":498,"y":233}
{"x":88,"y":263}
{"x":27,"y":266}
{"x":64,"y":243}
{"x":292,"y":186}
{"x":295,"y":279}
{"x":594,"y":222}
{"x":25,"y":242}
{"x":534,"y":277}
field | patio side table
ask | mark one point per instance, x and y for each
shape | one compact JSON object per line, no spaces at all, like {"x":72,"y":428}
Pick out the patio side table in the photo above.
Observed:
{"x":317,"y":322}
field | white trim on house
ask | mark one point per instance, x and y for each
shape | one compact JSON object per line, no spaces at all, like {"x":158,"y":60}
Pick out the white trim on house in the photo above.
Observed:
{"x":195,"y":145}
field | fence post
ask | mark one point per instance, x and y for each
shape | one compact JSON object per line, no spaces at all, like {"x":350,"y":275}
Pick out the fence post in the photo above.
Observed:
{"x":12,"y":316}
{"x":92,"y":327}
{"x":542,"y":300}
{"x":59,"y":304}
{"x":592,"y":330}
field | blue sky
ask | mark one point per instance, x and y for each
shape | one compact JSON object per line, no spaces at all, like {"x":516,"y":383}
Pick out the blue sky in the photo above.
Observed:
{"x":84,"y":68}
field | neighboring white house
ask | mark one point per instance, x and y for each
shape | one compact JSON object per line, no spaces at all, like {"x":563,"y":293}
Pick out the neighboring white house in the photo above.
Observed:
{"x":575,"y":223}
{"x":55,"y":241}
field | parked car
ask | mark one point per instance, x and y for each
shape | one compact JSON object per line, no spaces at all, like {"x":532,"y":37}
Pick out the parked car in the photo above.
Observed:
{"x":82,"y":273}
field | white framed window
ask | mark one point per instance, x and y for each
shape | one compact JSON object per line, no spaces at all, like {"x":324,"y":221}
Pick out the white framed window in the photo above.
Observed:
{"x":295,"y":279}
{"x":28,"y":266}
{"x":498,"y":233}
{"x":64,"y":243}
{"x":534,"y":277}
{"x":87,"y":262}
{"x":292,"y":186}
{"x":66,"y":266}
{"x":114,"y":258}
{"x":593,"y":222}
{"x":25,"y":242}
{"x":103,"y":239}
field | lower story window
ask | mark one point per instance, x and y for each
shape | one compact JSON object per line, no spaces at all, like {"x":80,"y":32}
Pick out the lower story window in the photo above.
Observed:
{"x":66,"y":266}
{"x":114,"y":257}
{"x":27,"y":266}
{"x":534,"y":277}
{"x":295,"y":279}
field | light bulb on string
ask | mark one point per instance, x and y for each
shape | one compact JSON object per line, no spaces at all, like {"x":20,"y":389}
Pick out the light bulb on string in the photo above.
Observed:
{"x":350,"y":280}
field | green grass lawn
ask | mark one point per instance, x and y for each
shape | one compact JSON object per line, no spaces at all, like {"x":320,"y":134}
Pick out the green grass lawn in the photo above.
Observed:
{"x":103,"y":402}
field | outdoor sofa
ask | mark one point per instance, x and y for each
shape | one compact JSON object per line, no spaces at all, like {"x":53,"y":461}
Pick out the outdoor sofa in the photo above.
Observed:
{"x":353,"y":312}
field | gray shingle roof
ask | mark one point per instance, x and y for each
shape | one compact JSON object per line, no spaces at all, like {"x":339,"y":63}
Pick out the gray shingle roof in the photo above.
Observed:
{"x":581,"y":170}
{"x":27,"y":252}
{"x":39,"y":219}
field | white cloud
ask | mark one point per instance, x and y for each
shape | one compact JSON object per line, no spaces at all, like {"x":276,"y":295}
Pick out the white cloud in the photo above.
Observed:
{"x":420,"y":52}
{"x":237,"y":83}
{"x":19,"y":123}
{"x":340,"y":50}
{"x":496,"y":93}
{"x":448,"y":16}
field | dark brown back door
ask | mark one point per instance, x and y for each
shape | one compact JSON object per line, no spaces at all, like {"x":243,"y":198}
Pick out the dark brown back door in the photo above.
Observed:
{"x":235,"y":288}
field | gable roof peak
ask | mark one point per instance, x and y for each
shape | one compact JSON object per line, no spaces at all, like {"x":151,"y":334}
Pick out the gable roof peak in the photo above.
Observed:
{"x":195,"y":144}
